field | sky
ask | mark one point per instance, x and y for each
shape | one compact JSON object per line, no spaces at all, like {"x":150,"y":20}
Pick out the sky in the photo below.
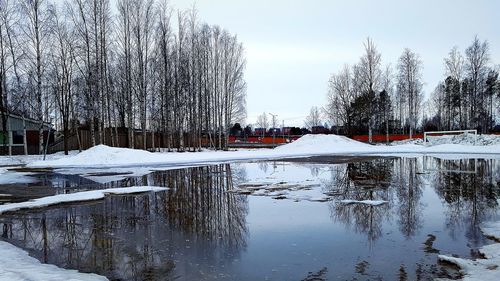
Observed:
{"x":293,"y":47}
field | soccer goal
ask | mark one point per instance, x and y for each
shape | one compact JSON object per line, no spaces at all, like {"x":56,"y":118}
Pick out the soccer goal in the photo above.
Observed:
{"x":455,"y":132}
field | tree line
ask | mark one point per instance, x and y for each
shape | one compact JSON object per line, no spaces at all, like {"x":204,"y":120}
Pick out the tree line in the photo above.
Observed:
{"x":371,"y":97}
{"x":141,"y":66}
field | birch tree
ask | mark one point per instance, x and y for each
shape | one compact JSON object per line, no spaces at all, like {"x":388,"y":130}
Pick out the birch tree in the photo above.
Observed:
{"x":410,"y":86}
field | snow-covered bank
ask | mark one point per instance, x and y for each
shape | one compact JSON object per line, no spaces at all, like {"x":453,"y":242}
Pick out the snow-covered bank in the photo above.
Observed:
{"x":16,"y":160}
{"x":309,"y":145}
{"x":76,"y":197}
{"x":481,"y":269}
{"x":464,"y":139}
{"x":17,"y":265}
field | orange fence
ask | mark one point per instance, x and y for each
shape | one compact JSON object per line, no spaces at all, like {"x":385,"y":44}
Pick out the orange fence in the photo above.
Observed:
{"x":266,"y":139}
{"x":280,"y":139}
{"x":382,"y":138}
{"x":363,"y":138}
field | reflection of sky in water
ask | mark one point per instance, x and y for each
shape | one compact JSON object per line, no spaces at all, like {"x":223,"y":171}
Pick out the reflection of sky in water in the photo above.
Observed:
{"x":198,"y":230}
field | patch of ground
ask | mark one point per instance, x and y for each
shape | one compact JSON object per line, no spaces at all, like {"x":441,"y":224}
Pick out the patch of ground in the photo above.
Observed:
{"x":428,"y":245}
{"x":319,"y":275}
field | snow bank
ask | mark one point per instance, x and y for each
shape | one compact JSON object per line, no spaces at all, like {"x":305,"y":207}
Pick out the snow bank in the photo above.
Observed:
{"x":17,"y":265}
{"x":310,"y":145}
{"x":102,"y":156}
{"x":76,"y":197}
{"x":17,"y":160}
{"x":324,"y":143}
{"x":464,"y":139}
{"x":481,"y":269}
{"x":106,"y":155}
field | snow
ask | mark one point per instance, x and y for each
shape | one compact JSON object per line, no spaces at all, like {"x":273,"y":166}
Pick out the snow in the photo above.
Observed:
{"x":278,"y":188}
{"x":76,"y":197}
{"x":105,"y":175}
{"x":491,"y":229}
{"x":481,"y":269}
{"x":17,"y":160}
{"x":310,"y":145}
{"x":17,"y":265}
{"x":365,"y":202}
{"x":320,"y":143}
{"x":10,"y":177}
{"x":464,"y":139}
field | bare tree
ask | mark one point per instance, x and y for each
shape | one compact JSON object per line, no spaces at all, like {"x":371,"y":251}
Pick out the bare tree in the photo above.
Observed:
{"x":454,"y":65}
{"x":340,"y":97}
{"x":37,"y":30}
{"x":314,"y":118}
{"x":262,"y":122}
{"x":410,"y":86}
{"x":185,"y":85}
{"x":370,"y":74}
{"x":62,"y":67}
{"x":477,"y":57}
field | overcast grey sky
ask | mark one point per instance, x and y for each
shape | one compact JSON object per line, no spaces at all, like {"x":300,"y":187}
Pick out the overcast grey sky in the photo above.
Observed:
{"x":292,"y":47}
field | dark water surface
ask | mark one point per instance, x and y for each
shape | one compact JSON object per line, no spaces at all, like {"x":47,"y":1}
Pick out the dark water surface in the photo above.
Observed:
{"x":288,"y":224}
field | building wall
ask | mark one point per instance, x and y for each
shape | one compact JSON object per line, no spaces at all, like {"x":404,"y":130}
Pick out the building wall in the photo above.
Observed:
{"x":15,"y":127}
{"x":15,"y":123}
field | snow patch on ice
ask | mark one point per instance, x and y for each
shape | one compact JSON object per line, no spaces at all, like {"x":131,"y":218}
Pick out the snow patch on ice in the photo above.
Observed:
{"x":76,"y":197}
{"x":17,"y":265}
{"x":10,"y":177}
{"x":365,"y":202}
{"x":487,"y":269}
{"x":297,"y":191}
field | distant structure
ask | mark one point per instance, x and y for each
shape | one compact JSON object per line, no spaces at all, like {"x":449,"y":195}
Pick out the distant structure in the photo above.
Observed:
{"x":260,"y":131}
{"x":21,"y":135}
{"x":275,"y":131}
{"x":320,"y":130}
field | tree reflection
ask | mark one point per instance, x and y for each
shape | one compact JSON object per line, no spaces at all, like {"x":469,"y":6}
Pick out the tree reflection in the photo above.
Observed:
{"x":408,"y":188}
{"x":470,"y":190}
{"x":394,"y":180}
{"x":361,"y":181}
{"x":143,"y":237}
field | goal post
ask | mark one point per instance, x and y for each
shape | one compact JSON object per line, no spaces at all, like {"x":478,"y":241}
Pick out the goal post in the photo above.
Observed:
{"x":455,"y":132}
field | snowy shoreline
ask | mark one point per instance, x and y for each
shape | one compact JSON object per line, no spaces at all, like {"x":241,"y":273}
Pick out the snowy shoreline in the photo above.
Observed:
{"x":307,"y":146}
{"x":17,"y":264}
{"x":76,"y":197}
{"x":480,"y":269}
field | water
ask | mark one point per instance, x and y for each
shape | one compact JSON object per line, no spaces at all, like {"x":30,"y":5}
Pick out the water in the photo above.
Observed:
{"x":279,"y":220}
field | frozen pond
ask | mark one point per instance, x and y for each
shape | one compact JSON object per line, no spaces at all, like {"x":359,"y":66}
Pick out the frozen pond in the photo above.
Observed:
{"x":322,"y":218}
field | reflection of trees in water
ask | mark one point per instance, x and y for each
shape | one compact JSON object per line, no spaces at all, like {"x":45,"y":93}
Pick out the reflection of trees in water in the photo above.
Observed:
{"x":143,"y":237}
{"x":263,"y":166}
{"x":408,"y":188}
{"x":392,"y":180}
{"x":361,"y":181}
{"x":199,"y":204}
{"x":470,"y":189}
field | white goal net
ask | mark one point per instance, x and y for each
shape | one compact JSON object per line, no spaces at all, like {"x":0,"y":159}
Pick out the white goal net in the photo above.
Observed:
{"x":466,"y":133}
